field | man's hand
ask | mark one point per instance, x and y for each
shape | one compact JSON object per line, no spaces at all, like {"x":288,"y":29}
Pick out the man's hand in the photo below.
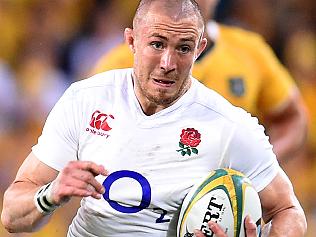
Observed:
{"x":251,"y":229}
{"x":77,"y":179}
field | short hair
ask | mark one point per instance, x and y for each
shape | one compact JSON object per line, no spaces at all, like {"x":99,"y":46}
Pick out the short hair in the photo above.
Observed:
{"x":143,"y":4}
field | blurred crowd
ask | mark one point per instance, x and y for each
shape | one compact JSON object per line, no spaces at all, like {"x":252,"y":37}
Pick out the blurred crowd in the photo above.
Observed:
{"x":47,"y":45}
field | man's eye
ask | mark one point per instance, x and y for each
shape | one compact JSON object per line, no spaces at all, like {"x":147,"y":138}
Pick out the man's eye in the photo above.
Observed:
{"x":184,"y":49}
{"x":156,"y":45}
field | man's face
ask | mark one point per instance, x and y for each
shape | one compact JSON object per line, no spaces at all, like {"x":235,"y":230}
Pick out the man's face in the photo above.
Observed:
{"x":165,"y":50}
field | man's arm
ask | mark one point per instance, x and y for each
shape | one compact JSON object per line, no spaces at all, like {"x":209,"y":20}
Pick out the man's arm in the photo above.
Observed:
{"x":287,"y":127}
{"x":281,"y":206}
{"x":19,"y":213}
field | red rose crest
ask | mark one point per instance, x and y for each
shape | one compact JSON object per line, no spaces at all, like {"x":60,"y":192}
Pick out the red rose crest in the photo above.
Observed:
{"x":190,"y":139}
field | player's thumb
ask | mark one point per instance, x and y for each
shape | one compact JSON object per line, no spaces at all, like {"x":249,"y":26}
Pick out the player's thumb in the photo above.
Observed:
{"x":251,"y":228}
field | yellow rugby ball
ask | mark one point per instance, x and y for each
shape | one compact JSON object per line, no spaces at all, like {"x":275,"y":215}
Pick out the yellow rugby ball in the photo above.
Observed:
{"x":225,"y":196}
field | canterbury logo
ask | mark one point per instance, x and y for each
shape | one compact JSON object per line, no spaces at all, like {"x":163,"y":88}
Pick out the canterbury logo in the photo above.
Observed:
{"x":100,"y":121}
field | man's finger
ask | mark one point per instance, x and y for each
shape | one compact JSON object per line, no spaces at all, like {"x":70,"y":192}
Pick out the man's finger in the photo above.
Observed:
{"x":217,"y":230}
{"x":89,"y":180}
{"x":91,"y":167}
{"x":251,"y":228}
{"x":198,"y":233}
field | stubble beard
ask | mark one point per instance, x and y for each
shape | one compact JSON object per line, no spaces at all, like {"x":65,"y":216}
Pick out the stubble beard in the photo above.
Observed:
{"x":160,"y":98}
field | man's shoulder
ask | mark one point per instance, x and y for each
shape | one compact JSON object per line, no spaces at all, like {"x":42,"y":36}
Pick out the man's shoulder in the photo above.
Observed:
{"x":241,"y":36}
{"x":111,"y":78}
{"x":235,"y":31}
{"x":213,"y":101}
{"x":118,"y":57}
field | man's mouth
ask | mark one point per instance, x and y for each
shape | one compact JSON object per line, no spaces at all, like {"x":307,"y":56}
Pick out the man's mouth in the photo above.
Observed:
{"x":164,"y":82}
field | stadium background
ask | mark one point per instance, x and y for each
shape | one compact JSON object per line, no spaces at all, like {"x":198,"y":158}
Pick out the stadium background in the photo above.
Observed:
{"x":46,"y":45}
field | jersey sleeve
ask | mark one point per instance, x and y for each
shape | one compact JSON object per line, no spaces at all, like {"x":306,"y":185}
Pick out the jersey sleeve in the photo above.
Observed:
{"x":58,"y":143}
{"x":250,"y":152}
{"x":277,"y":83}
{"x":119,"y":57}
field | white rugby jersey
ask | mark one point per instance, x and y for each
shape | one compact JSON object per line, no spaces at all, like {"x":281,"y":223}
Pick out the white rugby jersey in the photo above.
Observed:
{"x":153,"y":160}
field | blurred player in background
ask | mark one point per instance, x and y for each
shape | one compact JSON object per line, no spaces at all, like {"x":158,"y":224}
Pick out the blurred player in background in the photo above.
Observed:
{"x":243,"y":68}
{"x":9,"y":103}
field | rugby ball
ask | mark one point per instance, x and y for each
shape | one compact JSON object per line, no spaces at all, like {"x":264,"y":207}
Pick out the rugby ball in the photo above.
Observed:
{"x":226,"y":197}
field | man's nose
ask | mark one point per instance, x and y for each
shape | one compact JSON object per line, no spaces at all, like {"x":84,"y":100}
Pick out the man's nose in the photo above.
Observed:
{"x":168,"y":61}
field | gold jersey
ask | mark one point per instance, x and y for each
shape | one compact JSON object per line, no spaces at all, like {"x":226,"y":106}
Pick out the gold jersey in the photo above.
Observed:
{"x":240,"y":66}
{"x":308,"y":90}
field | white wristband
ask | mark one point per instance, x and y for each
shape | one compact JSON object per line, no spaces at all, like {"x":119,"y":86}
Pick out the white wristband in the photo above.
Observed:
{"x":42,"y":200}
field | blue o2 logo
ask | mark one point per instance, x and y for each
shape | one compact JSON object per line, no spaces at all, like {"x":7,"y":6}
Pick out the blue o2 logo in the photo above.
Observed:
{"x":146,"y":190}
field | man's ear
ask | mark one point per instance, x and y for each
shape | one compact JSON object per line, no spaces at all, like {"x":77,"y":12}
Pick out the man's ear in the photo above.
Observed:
{"x":201,"y":47}
{"x":129,"y":38}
